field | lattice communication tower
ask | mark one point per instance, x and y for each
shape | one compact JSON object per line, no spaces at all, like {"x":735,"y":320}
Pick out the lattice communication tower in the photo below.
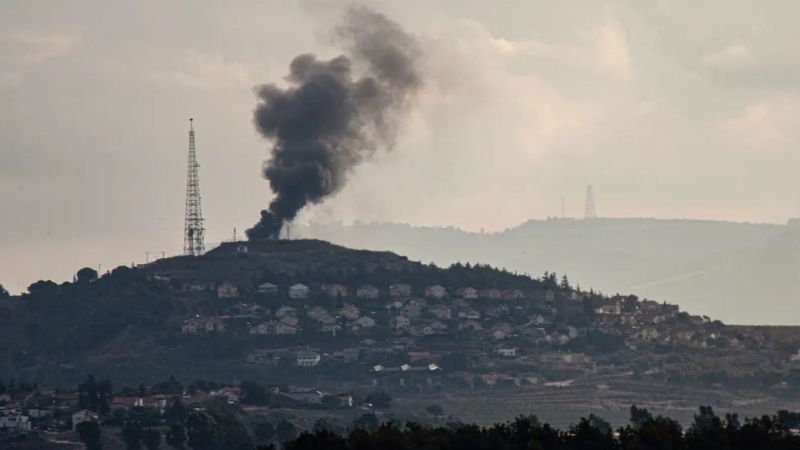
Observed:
{"x":193,"y":241}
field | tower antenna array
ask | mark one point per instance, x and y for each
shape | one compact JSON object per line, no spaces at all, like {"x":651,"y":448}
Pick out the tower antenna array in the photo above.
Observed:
{"x":590,"y":211}
{"x":193,"y":242}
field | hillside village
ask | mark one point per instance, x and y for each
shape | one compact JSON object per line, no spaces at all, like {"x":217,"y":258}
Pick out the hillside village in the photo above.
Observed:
{"x":542,"y":331}
{"x":314,"y":326}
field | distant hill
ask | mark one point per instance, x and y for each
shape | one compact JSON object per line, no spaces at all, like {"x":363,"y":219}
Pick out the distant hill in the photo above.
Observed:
{"x":737,"y":272}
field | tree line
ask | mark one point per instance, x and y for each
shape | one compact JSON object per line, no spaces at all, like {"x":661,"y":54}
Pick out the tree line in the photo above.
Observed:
{"x":219,"y":425}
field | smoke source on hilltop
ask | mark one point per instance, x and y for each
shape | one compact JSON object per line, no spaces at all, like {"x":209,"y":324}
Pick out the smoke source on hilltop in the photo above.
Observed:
{"x":328,"y":120}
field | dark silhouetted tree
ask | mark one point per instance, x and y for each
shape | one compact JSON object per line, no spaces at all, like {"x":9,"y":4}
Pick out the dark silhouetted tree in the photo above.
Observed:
{"x":86,"y":275}
{"x":379,"y":399}
{"x":151,"y":438}
{"x":201,"y":431}
{"x":285,"y":431}
{"x":367,"y":422}
{"x":639,"y":416}
{"x":176,"y":436}
{"x":89,"y":433}
{"x":132,"y":434}
{"x":264,"y":431}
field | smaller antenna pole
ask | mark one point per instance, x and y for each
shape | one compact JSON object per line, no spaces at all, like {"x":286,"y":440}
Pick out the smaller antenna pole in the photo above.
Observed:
{"x":146,"y":257}
{"x":590,"y":213}
{"x":563,"y":209}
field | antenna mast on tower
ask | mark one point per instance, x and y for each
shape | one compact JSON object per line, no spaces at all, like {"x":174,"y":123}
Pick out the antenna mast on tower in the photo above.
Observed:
{"x":590,"y":211}
{"x":193,"y":243}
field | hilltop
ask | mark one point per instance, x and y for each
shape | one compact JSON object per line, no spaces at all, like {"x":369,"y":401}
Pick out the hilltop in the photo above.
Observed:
{"x":316,"y":316}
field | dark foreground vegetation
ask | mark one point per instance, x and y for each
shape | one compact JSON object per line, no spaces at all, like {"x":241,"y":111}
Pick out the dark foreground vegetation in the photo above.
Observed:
{"x":220,"y":426}
{"x":645,"y":432}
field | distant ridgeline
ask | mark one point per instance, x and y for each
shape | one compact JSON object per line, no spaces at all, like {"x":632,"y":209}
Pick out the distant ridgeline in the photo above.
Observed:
{"x":740,"y":273}
{"x":319,"y":316}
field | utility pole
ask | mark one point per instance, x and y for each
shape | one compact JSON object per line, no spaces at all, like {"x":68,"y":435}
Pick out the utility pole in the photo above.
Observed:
{"x":193,"y":241}
{"x":590,"y":213}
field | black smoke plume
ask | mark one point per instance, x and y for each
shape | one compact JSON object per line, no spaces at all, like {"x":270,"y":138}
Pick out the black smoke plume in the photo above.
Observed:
{"x":328,"y":120}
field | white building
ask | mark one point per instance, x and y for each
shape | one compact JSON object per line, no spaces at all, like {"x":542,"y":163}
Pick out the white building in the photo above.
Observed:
{"x":265,"y":329}
{"x":508,"y":352}
{"x":298,"y":291}
{"x":438,"y":292}
{"x":365,"y":322}
{"x":267,"y":289}
{"x":15,"y":422}
{"x":308,"y":359}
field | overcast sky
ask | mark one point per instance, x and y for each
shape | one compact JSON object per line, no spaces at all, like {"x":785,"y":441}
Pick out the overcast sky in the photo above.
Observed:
{"x":670,"y":109}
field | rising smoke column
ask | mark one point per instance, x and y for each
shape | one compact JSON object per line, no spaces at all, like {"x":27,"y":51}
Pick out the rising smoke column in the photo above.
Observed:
{"x":328,"y":120}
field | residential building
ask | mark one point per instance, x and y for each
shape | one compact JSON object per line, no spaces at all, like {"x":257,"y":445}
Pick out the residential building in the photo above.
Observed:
{"x":282,"y":329}
{"x":442,"y":312}
{"x":513,"y":294}
{"x":367,"y":291}
{"x":193,"y":325}
{"x":492,"y":294}
{"x":284,"y":311}
{"x":400,"y":322}
{"x":365,"y":322}
{"x":216,"y":324}
{"x":508,"y":352}
{"x":469,"y":314}
{"x":400,"y":290}
{"x":350,"y":312}
{"x":470,"y":325}
{"x":308,"y":358}
{"x":334,"y":290}
{"x":436,"y":291}
{"x":268,"y":289}
{"x":266,"y":328}
{"x":227,"y":290}
{"x":433,"y":327}
{"x":298,"y":291}
{"x":467,"y":292}
{"x":292,"y":321}
{"x":15,"y":422}
{"x":316,"y":312}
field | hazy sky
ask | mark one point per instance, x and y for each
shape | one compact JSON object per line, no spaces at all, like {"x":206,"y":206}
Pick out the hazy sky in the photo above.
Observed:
{"x":670,"y":109}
